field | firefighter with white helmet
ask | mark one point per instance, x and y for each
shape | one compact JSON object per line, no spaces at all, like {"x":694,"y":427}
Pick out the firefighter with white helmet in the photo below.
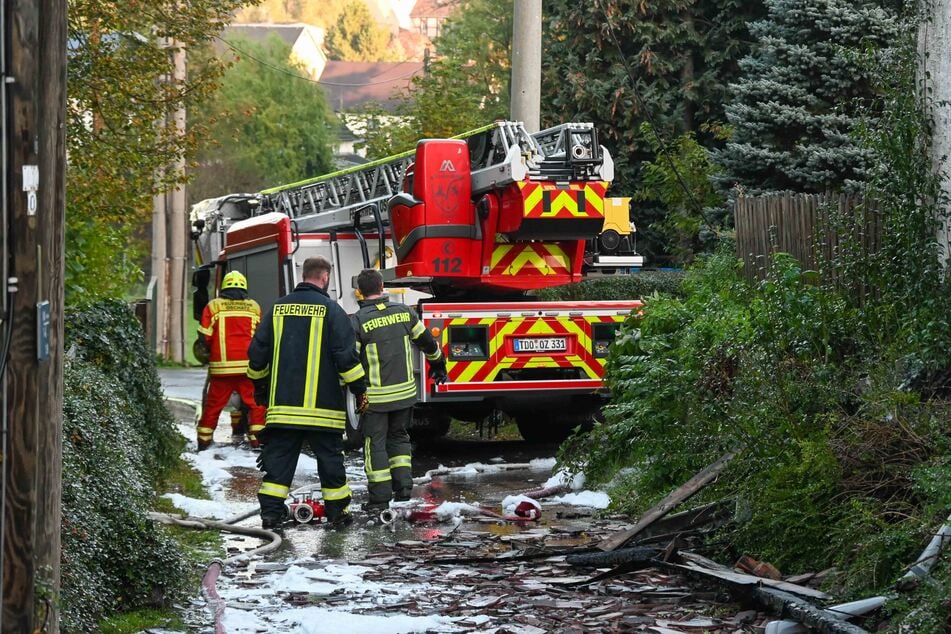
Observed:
{"x":227,"y":325}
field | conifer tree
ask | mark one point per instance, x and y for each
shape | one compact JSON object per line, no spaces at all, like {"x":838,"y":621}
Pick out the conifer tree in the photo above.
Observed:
{"x":795,"y":109}
{"x":683,"y":54}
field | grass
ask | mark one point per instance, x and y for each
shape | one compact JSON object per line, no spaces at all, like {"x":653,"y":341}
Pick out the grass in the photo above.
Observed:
{"x":191,"y":333}
{"x":138,"y":620}
{"x":459,"y":430}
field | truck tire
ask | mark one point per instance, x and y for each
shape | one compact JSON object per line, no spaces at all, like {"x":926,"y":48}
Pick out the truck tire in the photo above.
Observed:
{"x":430,"y":428}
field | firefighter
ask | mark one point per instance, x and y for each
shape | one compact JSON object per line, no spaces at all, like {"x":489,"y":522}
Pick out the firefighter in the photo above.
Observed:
{"x":227,"y":324}
{"x":384,"y":332}
{"x":297,"y":360}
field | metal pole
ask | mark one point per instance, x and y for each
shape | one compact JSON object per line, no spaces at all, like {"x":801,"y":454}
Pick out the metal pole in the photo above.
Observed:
{"x":527,"y":63}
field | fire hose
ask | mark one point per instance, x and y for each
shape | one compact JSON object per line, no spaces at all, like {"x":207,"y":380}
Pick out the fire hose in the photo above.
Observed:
{"x":210,"y":578}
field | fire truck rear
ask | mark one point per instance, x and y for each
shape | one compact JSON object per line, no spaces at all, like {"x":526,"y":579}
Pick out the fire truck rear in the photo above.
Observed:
{"x":465,"y":230}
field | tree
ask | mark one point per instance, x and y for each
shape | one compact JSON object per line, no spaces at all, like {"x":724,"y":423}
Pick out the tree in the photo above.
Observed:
{"x":794,"y":111}
{"x":265,"y":127}
{"x":118,"y":57}
{"x":322,"y":13}
{"x":355,"y":37}
{"x":683,"y":54}
{"x":681,"y":179}
{"x":466,"y":86}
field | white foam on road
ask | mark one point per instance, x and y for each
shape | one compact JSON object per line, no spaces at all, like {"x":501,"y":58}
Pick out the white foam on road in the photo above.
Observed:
{"x":262,"y":607}
{"x":575,"y":482}
{"x":594,"y":499}
{"x":208,"y":509}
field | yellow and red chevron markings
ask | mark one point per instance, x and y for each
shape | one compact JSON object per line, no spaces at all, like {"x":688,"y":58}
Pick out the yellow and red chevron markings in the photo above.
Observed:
{"x":501,"y":358}
{"x":545,"y":258}
{"x":576,"y":200}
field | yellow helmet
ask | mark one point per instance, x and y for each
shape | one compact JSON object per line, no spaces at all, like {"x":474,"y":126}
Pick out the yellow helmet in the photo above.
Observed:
{"x":234,"y":279}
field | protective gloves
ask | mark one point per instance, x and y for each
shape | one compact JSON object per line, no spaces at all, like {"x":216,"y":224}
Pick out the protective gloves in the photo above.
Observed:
{"x":363,"y":402}
{"x":437,"y":372}
{"x":262,"y":388}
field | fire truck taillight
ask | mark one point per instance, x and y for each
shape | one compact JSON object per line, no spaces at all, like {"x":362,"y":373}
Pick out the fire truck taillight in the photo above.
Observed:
{"x":602,"y":335}
{"x":435,"y":331}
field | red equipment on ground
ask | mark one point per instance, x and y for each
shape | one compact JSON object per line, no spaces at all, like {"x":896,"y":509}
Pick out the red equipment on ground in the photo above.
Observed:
{"x":306,"y":509}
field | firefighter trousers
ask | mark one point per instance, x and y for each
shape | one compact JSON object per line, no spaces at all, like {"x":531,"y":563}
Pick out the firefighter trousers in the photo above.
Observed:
{"x":279,"y":456}
{"x":217,"y":395}
{"x":387,"y":453}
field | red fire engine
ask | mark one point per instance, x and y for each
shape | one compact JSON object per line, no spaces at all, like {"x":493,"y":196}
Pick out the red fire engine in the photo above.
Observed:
{"x":464,"y":229}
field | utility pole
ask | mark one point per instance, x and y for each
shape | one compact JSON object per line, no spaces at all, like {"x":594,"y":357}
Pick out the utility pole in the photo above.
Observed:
{"x":159,"y":272}
{"x":934,"y":44}
{"x":34,"y":162}
{"x":527,"y":63}
{"x":169,"y":237}
{"x":177,"y":222}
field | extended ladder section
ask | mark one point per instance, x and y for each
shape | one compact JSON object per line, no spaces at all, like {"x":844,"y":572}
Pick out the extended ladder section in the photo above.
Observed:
{"x":495,"y":209}
{"x":500,"y":154}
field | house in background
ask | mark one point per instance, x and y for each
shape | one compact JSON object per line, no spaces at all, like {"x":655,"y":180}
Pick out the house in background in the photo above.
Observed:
{"x":428,"y":16}
{"x":306,"y":42}
{"x":351,"y":85}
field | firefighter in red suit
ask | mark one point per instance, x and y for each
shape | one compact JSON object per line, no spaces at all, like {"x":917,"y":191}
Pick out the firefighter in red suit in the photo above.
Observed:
{"x":228,"y":323}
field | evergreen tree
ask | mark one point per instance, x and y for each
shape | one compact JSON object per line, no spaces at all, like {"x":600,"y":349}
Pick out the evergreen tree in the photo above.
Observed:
{"x":355,"y":37}
{"x":683,"y":55}
{"x":794,"y":110}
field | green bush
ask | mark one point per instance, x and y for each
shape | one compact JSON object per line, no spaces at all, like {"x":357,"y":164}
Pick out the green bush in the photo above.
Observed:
{"x":117,"y":439}
{"x":633,"y":286}
{"x":836,"y":465}
{"x":832,"y":385}
{"x":108,"y":335}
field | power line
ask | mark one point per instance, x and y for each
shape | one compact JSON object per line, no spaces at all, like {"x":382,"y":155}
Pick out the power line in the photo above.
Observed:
{"x":315,"y":81}
{"x":661,"y":142}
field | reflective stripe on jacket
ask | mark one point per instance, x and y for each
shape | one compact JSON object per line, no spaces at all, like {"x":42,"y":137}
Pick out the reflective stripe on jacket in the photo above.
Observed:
{"x":228,"y":325}
{"x":384,"y":332}
{"x":305,"y":349}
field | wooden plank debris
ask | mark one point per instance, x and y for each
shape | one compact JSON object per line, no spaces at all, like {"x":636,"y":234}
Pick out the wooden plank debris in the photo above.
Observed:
{"x":673,"y":499}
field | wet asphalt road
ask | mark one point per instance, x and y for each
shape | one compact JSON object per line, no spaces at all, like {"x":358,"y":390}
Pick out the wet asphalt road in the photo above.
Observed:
{"x":366,"y":535}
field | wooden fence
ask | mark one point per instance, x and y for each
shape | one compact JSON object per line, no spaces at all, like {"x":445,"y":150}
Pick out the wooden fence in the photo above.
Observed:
{"x":813,"y":228}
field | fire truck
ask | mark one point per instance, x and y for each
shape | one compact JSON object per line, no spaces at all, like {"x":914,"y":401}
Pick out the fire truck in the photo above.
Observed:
{"x":466,"y":230}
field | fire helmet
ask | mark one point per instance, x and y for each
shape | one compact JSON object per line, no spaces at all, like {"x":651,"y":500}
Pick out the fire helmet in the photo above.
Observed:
{"x":234,"y":279}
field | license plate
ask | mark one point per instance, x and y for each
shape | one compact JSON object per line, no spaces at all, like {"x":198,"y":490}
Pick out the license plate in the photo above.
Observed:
{"x":541,"y":344}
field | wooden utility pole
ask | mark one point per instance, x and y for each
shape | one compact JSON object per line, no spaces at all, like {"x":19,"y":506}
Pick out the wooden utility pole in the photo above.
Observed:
{"x":35,"y":159}
{"x":527,"y":63}
{"x":934,"y":44}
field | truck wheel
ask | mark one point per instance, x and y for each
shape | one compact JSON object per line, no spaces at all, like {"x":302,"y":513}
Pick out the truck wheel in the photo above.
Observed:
{"x":429,"y":429}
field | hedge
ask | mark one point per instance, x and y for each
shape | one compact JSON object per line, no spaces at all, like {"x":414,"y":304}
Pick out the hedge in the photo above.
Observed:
{"x":118,"y":440}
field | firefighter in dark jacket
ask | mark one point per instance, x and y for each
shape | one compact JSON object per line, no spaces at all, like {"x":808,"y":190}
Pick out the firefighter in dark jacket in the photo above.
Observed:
{"x":300,"y":354}
{"x":384,"y":332}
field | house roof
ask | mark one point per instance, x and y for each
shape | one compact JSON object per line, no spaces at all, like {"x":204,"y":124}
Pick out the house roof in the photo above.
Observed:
{"x":290,"y":33}
{"x":435,"y":8}
{"x":349,"y":85}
